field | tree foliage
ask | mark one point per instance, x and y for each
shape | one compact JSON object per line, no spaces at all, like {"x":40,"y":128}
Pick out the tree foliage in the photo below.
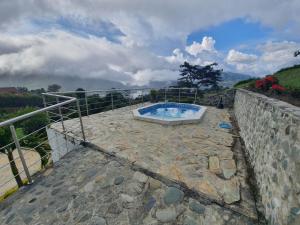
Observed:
{"x":54,"y":88}
{"x":34,"y":123}
{"x":5,"y":137}
{"x":20,"y":100}
{"x":80,"y":93}
{"x":195,"y":76}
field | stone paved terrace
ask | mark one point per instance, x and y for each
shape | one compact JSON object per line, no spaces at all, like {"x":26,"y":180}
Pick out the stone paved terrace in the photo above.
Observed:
{"x":202,"y":158}
{"x":89,"y":187}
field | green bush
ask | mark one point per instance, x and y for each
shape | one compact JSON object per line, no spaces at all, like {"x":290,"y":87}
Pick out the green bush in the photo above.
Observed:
{"x":246,"y":83}
{"x":18,"y":100}
{"x":153,"y":95}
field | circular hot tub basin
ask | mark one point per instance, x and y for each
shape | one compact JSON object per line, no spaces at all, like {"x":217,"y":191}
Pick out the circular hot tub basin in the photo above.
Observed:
{"x":170,"y":113}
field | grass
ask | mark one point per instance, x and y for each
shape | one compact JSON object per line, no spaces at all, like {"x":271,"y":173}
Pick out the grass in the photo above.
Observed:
{"x":8,"y":193}
{"x":245,"y":83}
{"x":287,"y":77}
{"x":12,"y":190}
{"x":20,"y":132}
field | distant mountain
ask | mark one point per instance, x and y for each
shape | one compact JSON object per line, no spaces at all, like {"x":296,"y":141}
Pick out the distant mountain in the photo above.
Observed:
{"x":70,"y":83}
{"x":161,"y":84}
{"x":230,"y":78}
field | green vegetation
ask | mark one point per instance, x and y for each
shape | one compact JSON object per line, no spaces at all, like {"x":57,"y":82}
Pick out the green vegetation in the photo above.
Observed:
{"x":8,"y":193}
{"x":54,"y":88}
{"x":20,"y":100}
{"x":12,"y":190}
{"x":246,"y":83}
{"x":287,"y":77}
{"x":199,"y":76}
{"x":28,"y":136}
{"x":153,"y":95}
{"x":286,"y":87}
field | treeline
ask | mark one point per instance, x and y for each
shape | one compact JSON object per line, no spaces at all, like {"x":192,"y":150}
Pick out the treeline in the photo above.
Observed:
{"x":25,"y":127}
{"x":20,"y":100}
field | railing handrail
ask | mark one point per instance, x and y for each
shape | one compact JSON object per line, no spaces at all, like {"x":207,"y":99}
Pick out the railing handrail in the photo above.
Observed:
{"x":111,"y":90}
{"x":73,"y":99}
{"x":62,"y":102}
{"x":104,"y":90}
{"x":27,"y":115}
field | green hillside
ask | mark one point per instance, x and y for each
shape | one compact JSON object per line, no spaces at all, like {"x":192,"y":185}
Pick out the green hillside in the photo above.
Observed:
{"x":287,"y":77}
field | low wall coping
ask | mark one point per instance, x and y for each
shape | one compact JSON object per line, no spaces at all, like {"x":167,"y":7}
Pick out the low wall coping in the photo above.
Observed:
{"x":281,"y":105}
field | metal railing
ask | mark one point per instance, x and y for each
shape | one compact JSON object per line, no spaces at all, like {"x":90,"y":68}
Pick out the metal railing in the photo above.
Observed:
{"x":58,"y":109}
{"x":27,"y":145}
{"x":96,"y":101}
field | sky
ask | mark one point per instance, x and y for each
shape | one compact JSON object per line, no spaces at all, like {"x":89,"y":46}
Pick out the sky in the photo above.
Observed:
{"x":138,"y":41}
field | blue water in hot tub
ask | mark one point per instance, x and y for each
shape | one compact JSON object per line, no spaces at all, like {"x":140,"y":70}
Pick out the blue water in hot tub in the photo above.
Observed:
{"x":170,"y":110}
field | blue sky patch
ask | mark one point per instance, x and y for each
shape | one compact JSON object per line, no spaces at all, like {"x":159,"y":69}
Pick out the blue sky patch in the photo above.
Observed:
{"x":233,"y":34}
{"x":82,"y":27}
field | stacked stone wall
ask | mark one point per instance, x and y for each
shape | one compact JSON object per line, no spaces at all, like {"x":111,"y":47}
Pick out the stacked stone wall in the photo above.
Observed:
{"x":271,"y":131}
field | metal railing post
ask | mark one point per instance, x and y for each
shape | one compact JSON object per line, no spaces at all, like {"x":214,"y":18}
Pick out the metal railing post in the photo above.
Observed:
{"x":45,"y":105}
{"x":128,"y":94}
{"x":61,"y":116}
{"x":179,"y":96}
{"x":195,"y":96}
{"x":17,"y":143}
{"x":86,"y":104}
{"x":165,"y":95}
{"x":80,"y":120}
{"x":142,"y":96}
{"x":112,"y":101}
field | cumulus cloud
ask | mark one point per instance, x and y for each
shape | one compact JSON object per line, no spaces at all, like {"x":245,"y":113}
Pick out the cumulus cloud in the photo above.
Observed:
{"x":239,"y":57}
{"x":142,"y":77}
{"x":207,"y":44}
{"x":62,"y":53}
{"x":177,"y":57}
{"x":26,"y":47}
{"x":167,"y":18}
{"x":200,"y":53}
{"x":271,"y":57}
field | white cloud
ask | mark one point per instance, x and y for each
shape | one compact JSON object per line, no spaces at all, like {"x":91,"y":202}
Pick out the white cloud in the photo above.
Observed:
{"x":61,"y":53}
{"x":176,"y":57}
{"x":240,"y":57}
{"x":271,"y":57}
{"x":146,"y":25}
{"x":142,"y":77}
{"x":207,"y":44}
{"x":203,"y":53}
{"x":143,"y":20}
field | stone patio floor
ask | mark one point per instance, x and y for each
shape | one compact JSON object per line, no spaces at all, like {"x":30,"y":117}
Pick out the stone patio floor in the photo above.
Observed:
{"x":199,"y":157}
{"x":89,"y":187}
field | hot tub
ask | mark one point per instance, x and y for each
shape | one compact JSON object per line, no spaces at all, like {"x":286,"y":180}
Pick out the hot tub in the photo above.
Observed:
{"x":170,"y":113}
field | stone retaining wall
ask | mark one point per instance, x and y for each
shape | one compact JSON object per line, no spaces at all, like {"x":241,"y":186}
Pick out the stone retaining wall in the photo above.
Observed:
{"x":271,"y":131}
{"x":61,"y":144}
{"x":213,"y":99}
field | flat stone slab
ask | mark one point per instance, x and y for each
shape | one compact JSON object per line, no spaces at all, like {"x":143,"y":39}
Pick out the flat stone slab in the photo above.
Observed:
{"x":173,"y":196}
{"x":80,"y":189}
{"x":179,"y":153}
{"x":214,"y":164}
{"x":228,"y":168}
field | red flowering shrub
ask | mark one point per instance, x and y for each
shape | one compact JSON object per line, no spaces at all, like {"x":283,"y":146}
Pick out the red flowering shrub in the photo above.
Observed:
{"x":259,"y":84}
{"x":271,"y":79}
{"x":266,"y":83}
{"x":278,"y":88}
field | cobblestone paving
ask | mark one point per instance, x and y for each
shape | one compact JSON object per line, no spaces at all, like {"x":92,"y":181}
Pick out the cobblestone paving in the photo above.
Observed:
{"x":88,"y":187}
{"x":198,"y":156}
